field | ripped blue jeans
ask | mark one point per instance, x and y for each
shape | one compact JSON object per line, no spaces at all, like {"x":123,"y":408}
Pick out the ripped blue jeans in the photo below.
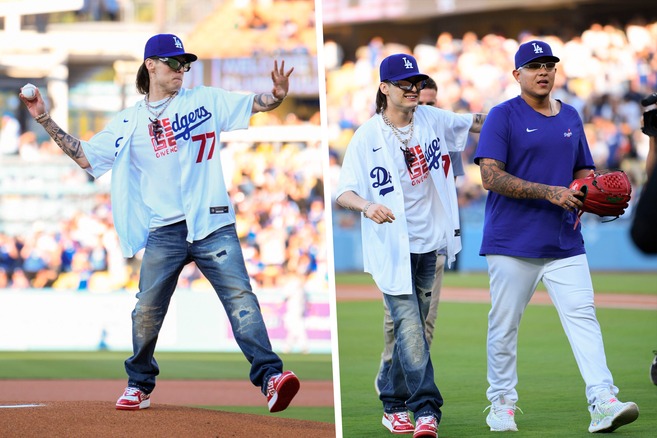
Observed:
{"x":219,"y":257}
{"x":409,"y":383}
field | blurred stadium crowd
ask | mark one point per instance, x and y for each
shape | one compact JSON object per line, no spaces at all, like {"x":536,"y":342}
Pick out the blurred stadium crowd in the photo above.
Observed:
{"x":604,"y":72}
{"x":278,"y":194}
{"x":277,"y":187}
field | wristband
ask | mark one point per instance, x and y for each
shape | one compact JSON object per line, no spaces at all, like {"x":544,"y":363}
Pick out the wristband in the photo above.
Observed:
{"x":41,"y":117}
{"x":366,"y":207}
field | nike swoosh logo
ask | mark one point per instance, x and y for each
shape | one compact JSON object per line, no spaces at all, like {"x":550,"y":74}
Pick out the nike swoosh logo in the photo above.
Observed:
{"x":125,"y":120}
{"x":374,"y":150}
{"x":531,"y":130}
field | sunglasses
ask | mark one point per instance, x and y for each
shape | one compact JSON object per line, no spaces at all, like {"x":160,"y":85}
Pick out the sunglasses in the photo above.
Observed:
{"x":176,"y":65}
{"x":549,"y":66}
{"x":408,"y":86}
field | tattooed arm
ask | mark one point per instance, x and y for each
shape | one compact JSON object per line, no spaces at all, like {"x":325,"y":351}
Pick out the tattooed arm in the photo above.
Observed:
{"x":498,"y":180}
{"x":69,"y":144}
{"x":269,"y":101}
{"x":477,"y":122}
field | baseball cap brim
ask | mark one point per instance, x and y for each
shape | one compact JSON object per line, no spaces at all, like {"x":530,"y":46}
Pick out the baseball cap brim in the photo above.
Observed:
{"x":419,"y":76}
{"x":190,"y":57}
{"x":546,"y":58}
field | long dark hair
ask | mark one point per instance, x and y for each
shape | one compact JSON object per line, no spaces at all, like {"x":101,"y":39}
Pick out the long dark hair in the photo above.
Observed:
{"x":381,"y":101}
{"x":143,"y":81}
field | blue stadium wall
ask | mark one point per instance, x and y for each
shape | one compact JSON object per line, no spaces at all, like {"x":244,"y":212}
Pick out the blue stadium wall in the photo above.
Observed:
{"x":609,"y":246}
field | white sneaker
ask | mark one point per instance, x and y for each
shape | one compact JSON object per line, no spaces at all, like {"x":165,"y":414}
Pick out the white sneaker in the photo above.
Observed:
{"x":608,"y":413}
{"x":501,"y":416}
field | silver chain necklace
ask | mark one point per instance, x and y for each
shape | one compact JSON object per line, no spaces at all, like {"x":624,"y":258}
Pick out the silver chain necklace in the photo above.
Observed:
{"x":409,"y":158}
{"x":155,"y":122}
{"x":398,"y":132}
{"x":152,"y":109}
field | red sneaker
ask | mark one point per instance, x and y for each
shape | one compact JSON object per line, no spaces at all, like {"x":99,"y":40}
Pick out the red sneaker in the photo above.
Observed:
{"x":281,"y":389}
{"x":397,"y":422}
{"x":133,"y":399}
{"x":426,"y":426}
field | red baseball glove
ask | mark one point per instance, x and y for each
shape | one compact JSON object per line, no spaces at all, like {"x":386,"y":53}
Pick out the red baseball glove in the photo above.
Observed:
{"x":606,"y":193}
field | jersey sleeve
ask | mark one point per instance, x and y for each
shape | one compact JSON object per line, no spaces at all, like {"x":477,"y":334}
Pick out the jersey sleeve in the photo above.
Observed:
{"x":456,"y":130}
{"x":101,"y":149}
{"x":584,"y":159}
{"x":351,"y":168}
{"x":235,"y":109}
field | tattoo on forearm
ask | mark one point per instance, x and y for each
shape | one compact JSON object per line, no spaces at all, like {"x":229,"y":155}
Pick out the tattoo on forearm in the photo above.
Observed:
{"x":478,"y":119}
{"x":67,"y":143}
{"x":499,"y":181}
{"x":267,"y":100}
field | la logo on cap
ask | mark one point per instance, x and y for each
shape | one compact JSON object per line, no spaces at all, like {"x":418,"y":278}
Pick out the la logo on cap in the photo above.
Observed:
{"x":537,"y":48}
{"x":407,"y":63}
{"x":177,"y":42}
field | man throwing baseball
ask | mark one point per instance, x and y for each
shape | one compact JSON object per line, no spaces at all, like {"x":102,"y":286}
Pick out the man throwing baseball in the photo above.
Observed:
{"x":169,"y":197}
{"x":531,"y":147}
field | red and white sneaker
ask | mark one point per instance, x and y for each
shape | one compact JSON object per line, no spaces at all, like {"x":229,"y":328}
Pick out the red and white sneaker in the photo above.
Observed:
{"x":281,"y":389}
{"x":133,"y":399}
{"x":397,"y":422}
{"x":426,"y":426}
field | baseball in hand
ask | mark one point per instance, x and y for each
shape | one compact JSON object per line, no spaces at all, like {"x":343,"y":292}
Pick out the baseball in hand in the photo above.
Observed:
{"x":29,"y":91}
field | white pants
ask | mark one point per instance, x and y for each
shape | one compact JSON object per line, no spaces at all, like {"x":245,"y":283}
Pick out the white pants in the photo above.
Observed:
{"x":513,"y":281}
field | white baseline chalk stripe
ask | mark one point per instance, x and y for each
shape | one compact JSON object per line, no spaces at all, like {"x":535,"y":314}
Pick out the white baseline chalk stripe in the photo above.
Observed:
{"x":19,"y":406}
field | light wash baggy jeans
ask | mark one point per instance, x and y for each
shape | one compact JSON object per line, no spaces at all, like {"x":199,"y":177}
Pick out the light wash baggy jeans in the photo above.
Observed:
{"x":219,"y":257}
{"x":410,"y":382}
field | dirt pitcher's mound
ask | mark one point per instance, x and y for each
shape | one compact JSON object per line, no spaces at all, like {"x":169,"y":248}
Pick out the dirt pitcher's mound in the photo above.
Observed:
{"x":100,"y":419}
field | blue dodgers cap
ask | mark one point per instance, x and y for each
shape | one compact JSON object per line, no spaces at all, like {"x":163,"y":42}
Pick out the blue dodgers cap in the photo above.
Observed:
{"x":166,"y":45}
{"x":399,"y":67}
{"x":532,"y":50}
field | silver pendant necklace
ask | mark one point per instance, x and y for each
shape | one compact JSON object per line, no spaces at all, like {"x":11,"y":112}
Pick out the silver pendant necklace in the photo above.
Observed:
{"x":398,"y":132}
{"x":408,"y":155}
{"x":152,"y":108}
{"x":155,"y":121}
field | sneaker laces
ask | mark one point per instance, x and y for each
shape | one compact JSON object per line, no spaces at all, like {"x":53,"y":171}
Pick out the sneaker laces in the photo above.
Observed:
{"x":403,"y":416}
{"x":427,"y":419}
{"x":607,"y":405}
{"x":503,"y":409}
{"x":131,"y":391}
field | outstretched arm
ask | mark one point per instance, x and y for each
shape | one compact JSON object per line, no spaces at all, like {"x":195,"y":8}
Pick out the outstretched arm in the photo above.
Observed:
{"x":477,"y":122}
{"x":67,"y":143}
{"x":269,"y":101}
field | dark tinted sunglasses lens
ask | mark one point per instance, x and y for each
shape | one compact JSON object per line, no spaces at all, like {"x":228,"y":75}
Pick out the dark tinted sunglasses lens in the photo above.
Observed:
{"x":420,"y":85}
{"x":401,"y":86}
{"x":176,"y":65}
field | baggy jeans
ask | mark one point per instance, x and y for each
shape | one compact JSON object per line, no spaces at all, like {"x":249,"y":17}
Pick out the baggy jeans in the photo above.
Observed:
{"x":219,"y":257}
{"x":410,"y":384}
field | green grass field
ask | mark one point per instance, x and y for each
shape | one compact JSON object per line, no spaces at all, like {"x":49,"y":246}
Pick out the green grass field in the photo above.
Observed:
{"x":551,"y":390}
{"x":603,"y":282}
{"x":550,"y":387}
{"x":173,"y":366}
